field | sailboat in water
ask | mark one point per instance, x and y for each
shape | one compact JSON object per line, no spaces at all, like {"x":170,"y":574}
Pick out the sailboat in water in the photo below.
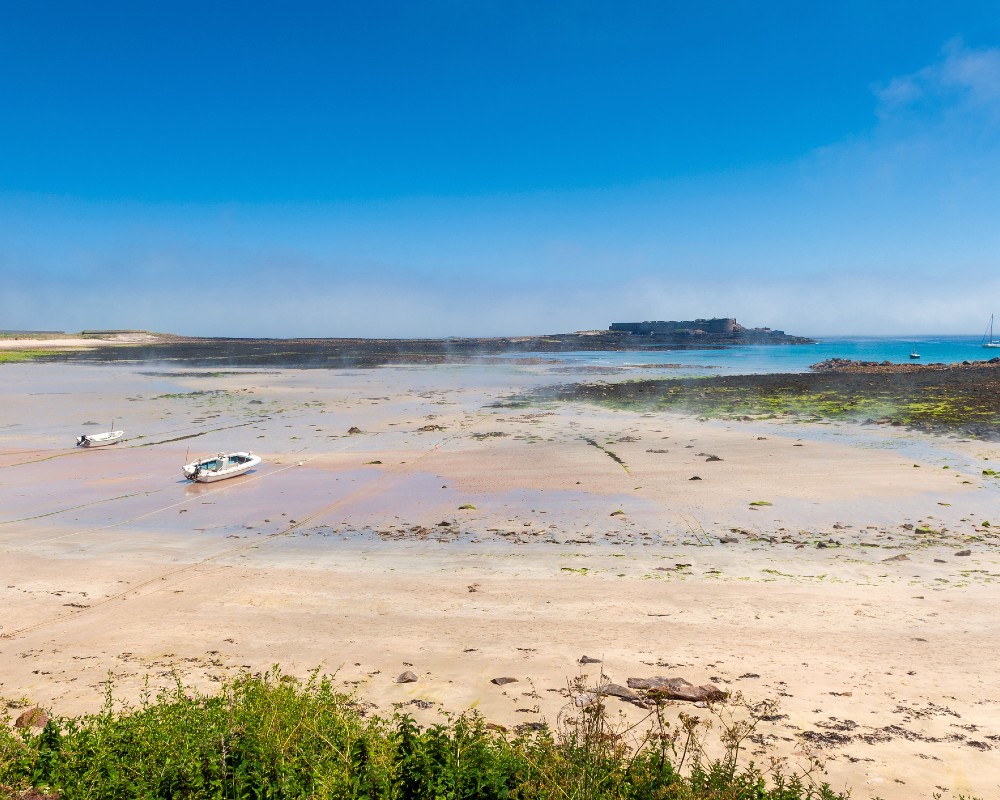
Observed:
{"x":988,"y":340}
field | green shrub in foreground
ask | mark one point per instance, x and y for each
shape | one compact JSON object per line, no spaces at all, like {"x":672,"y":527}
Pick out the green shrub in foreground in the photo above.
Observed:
{"x":273,"y":737}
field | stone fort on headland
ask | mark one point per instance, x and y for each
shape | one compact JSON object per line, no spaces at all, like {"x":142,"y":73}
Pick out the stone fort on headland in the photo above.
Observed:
{"x":722,"y":326}
{"x":718,"y":330}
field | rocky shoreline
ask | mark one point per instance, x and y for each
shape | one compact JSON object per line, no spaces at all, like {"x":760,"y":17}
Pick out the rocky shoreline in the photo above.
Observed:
{"x":938,"y":398}
{"x":846,"y":365}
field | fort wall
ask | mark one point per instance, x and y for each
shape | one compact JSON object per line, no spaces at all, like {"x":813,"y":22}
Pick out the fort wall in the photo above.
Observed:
{"x":718,"y":326}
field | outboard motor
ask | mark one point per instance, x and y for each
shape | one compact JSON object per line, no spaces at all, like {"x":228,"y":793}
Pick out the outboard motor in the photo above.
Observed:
{"x":81,"y":441}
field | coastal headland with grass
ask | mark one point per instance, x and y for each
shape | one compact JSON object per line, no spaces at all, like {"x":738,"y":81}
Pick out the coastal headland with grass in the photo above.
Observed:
{"x":532,"y":539}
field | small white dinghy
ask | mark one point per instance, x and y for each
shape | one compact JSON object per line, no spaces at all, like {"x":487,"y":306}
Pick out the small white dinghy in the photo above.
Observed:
{"x":220,"y":467}
{"x":99,"y":439}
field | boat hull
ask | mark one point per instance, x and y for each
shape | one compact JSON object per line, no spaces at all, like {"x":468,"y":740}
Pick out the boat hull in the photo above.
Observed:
{"x":220,"y":468}
{"x":100,"y":439}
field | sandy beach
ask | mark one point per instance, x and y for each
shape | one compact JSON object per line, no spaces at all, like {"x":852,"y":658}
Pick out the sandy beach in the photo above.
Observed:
{"x":465,"y":539}
{"x":66,"y":341}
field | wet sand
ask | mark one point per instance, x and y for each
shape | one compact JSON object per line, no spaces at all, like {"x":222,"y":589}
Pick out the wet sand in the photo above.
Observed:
{"x":811,"y":563}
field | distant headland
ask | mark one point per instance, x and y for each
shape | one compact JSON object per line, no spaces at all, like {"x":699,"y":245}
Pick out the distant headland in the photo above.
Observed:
{"x":138,"y":346}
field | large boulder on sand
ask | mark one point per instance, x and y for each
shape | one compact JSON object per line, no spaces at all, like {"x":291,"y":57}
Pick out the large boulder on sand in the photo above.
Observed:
{"x":32,"y":718}
{"x":663,"y":688}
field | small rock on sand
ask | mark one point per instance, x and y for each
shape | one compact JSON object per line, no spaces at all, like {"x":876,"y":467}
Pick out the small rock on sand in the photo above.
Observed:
{"x":503,"y":681}
{"x":694,"y":478}
{"x":407,"y":677}
{"x":589,"y":660}
{"x":900,"y":557}
{"x":964,"y":553}
{"x":354,"y":429}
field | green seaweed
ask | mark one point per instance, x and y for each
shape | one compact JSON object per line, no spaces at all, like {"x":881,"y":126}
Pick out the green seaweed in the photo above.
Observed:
{"x":944,"y":399}
{"x":15,"y":356}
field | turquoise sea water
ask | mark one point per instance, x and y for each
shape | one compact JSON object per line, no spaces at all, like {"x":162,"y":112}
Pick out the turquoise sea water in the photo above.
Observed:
{"x":751,"y":359}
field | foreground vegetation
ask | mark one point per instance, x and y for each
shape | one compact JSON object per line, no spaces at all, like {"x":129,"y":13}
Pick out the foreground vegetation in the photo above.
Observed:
{"x":270,"y":736}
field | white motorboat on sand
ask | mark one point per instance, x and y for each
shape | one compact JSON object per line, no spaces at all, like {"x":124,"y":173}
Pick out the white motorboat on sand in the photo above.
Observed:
{"x":99,"y":439}
{"x":220,"y":467}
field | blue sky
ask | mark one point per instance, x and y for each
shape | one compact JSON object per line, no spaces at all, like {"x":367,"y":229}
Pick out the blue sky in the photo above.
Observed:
{"x":473,"y":168}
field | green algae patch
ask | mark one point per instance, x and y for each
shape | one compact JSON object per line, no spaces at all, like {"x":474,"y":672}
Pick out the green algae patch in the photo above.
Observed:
{"x":15,"y":356}
{"x":962,"y":399}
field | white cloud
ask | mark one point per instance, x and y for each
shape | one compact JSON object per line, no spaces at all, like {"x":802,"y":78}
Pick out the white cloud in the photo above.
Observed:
{"x":963,"y":80}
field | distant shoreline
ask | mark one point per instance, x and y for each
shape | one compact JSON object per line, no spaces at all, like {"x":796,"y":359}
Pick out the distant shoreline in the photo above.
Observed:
{"x":114,"y":347}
